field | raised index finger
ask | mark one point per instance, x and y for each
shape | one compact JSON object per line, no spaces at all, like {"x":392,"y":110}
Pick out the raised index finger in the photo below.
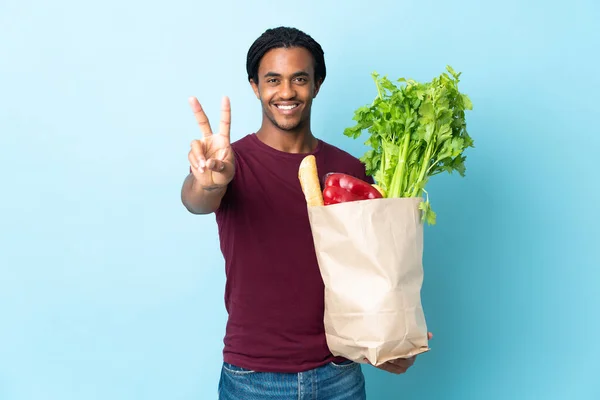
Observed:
{"x":201,"y":117}
{"x":225,"y":117}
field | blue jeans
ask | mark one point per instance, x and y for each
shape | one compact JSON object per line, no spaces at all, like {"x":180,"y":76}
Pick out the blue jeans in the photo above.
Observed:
{"x":329,"y":382}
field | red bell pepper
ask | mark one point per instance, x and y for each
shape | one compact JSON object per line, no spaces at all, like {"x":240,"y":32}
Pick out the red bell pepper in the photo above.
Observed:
{"x":342,"y":188}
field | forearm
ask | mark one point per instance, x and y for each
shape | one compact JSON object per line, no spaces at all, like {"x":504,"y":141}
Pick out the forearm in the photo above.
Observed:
{"x":198,"y":200}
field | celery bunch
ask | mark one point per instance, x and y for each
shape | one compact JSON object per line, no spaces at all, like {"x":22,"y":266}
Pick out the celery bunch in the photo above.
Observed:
{"x":416,"y":130}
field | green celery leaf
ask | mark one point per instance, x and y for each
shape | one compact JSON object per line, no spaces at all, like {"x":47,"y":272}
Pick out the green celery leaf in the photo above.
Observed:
{"x":427,"y":112}
{"x":427,"y":215}
{"x":467,"y":102}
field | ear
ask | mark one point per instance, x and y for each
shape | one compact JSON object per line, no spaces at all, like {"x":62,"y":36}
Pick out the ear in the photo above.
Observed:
{"x":317,"y":87}
{"x":255,"y":88}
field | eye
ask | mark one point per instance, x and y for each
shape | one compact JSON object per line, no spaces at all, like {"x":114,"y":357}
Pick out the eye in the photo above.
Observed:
{"x":271,"y":80}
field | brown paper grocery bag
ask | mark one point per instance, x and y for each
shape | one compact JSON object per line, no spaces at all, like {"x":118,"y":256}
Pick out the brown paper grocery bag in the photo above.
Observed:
{"x":370,"y":255}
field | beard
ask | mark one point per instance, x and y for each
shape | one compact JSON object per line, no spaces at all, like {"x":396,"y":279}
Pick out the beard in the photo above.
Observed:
{"x":283,"y":124}
{"x":286,"y":125}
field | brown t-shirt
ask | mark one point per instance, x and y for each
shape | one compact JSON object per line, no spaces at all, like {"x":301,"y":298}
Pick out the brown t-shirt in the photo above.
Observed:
{"x":274,"y":290}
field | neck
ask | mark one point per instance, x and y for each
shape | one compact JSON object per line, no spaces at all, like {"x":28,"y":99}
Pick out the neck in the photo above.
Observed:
{"x":296,"y":141}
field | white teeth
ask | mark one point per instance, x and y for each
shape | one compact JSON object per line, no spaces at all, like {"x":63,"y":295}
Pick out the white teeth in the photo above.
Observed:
{"x":287,"y":107}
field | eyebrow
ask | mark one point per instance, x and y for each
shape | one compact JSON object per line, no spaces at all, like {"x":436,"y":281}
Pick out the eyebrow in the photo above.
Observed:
{"x":294,"y":75}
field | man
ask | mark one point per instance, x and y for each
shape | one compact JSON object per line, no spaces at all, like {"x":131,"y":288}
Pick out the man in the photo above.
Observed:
{"x":275,"y":345}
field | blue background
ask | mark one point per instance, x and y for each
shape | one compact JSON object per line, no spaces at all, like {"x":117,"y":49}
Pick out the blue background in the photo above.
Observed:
{"x":109,"y":289}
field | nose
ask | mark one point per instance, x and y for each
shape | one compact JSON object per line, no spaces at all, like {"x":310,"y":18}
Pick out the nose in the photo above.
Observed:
{"x":287,"y":90}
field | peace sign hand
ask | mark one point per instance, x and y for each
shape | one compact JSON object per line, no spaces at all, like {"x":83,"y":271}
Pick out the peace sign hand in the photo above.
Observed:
{"x":211,"y":157}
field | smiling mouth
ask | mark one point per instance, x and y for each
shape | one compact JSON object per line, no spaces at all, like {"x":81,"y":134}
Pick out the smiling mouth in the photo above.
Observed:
{"x":286,"y":106}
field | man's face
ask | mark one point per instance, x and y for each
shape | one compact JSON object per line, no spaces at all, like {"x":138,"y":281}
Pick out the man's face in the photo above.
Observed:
{"x":286,"y":87}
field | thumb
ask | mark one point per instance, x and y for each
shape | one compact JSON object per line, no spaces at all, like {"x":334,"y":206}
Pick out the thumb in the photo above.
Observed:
{"x":215,"y":165}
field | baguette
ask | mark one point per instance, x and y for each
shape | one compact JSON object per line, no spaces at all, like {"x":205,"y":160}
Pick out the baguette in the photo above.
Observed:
{"x":309,"y":181}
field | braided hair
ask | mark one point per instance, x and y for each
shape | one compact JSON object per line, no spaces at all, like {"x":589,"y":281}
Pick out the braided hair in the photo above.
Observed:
{"x":284,"y":37}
